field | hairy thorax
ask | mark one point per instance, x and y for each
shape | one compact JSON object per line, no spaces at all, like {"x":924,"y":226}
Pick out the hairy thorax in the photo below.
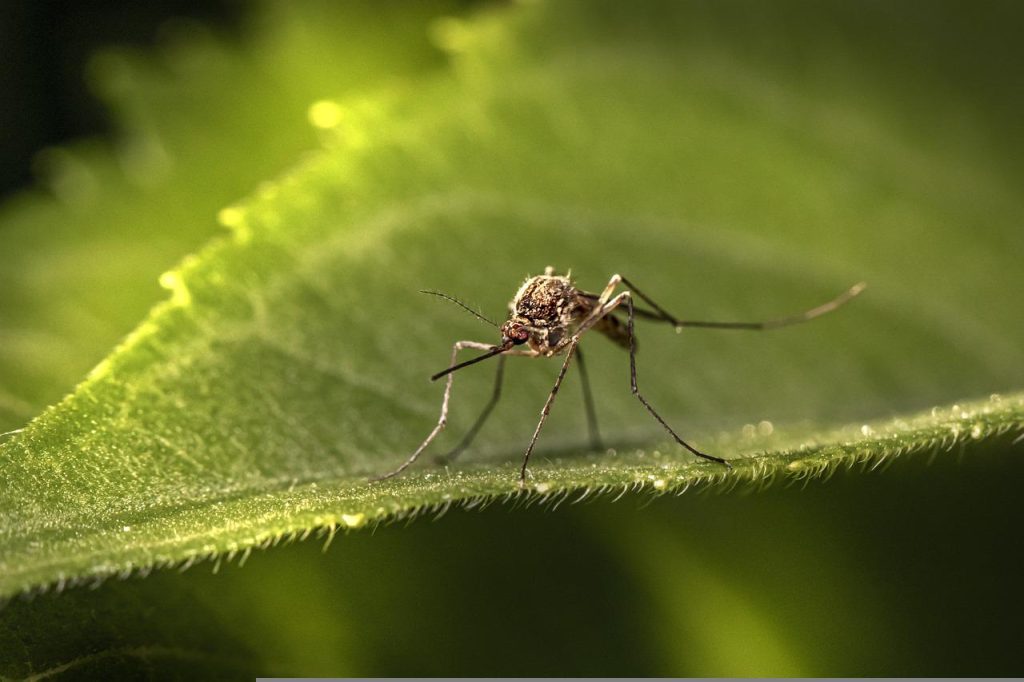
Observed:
{"x":550,"y":308}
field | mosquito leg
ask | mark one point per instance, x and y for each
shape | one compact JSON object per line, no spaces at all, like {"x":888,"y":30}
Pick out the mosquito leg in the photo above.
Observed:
{"x":443,"y":420}
{"x":588,"y":402}
{"x":601,"y":309}
{"x":547,"y":408}
{"x":471,"y":434}
{"x":662,"y":313}
{"x":632,"y":377}
{"x":798,"y":318}
{"x":608,"y":289}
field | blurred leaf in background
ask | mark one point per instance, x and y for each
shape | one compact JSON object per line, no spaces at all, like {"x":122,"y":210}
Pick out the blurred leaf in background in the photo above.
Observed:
{"x":202,"y":122}
{"x":735,"y":156}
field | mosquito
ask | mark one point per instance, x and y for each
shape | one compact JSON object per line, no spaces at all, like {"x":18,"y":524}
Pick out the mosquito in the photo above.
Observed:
{"x":549,"y":315}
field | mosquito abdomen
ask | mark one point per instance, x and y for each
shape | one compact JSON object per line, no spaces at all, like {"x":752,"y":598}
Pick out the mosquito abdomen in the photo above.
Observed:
{"x":614,"y":329}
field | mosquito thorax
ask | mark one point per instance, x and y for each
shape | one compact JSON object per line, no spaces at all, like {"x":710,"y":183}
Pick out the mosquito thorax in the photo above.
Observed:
{"x":547,"y":301}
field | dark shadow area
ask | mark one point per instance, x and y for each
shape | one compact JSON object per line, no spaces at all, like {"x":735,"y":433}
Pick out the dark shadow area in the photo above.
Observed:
{"x":45,"y":48}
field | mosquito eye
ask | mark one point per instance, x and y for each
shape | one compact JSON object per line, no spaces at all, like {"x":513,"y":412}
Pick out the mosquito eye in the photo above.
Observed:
{"x":519,"y":336}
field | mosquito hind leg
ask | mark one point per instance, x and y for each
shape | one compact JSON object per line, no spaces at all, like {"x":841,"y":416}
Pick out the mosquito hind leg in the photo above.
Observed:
{"x":443,"y":419}
{"x":609,"y":289}
{"x":662,"y":313}
{"x":798,"y":318}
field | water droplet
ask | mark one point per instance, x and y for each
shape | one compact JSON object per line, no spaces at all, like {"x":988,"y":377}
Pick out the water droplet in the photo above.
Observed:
{"x":542,"y":487}
{"x":236,"y":220}
{"x":765,"y":428}
{"x":171,"y":280}
{"x":977,"y":432}
{"x":867,"y":430}
{"x":749,"y":430}
{"x":353,"y":520}
{"x":996,"y":398}
{"x":325,"y":114}
{"x":660,"y":484}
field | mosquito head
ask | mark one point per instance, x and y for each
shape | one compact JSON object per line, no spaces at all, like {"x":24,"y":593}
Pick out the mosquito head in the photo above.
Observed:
{"x":514,"y":333}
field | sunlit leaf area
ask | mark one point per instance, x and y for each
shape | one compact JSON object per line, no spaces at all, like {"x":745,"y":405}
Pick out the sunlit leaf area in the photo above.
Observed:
{"x":212,"y":341}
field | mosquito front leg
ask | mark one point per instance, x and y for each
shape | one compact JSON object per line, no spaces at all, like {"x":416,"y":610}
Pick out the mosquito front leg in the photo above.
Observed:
{"x":547,"y":408}
{"x":488,"y":408}
{"x":443,"y":420}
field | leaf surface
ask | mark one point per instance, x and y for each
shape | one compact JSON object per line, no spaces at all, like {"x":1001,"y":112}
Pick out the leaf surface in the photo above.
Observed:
{"x":289,"y":363}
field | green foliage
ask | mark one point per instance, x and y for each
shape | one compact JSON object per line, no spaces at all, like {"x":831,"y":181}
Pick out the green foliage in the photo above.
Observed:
{"x":730,"y":177}
{"x":202,"y":124}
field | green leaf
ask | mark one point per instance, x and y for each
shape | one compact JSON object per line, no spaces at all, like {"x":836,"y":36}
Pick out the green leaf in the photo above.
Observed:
{"x":289,"y":363}
{"x":617,"y":589}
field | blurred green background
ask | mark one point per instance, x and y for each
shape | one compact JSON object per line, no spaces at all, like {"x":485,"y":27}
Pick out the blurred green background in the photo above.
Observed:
{"x":913,"y":570}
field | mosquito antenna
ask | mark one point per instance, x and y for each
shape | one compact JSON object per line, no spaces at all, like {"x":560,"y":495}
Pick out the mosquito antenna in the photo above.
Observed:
{"x":497,"y":350}
{"x":462,"y":305}
{"x":782,"y":321}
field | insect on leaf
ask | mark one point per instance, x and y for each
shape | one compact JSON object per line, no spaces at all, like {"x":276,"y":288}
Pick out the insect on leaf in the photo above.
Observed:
{"x":290,"y":363}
